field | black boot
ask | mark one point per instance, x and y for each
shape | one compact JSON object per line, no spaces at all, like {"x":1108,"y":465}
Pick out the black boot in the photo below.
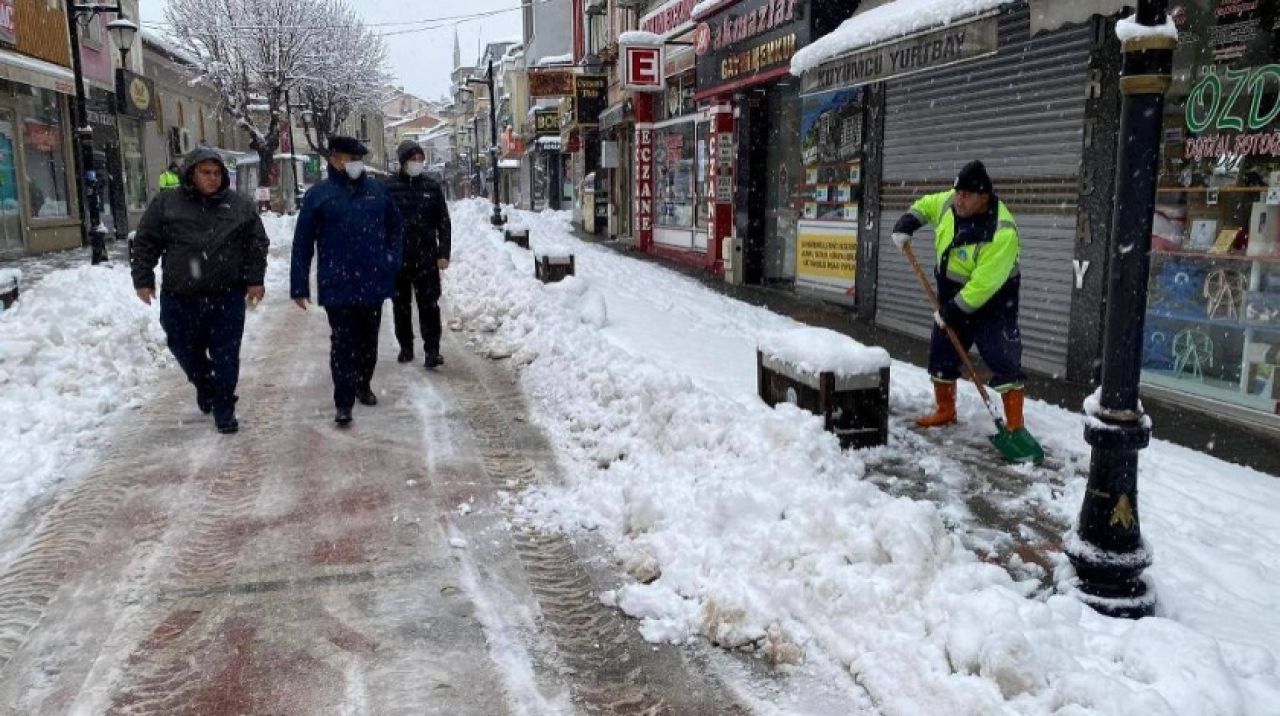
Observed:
{"x":433,"y":360}
{"x":204,"y":401}
{"x":342,"y":417}
{"x":224,"y":416}
{"x":365,"y":395}
{"x":406,"y":355}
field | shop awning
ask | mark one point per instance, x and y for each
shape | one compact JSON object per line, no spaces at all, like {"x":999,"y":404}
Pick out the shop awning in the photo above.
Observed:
{"x":613,"y":116}
{"x":893,"y":21}
{"x":36,"y":73}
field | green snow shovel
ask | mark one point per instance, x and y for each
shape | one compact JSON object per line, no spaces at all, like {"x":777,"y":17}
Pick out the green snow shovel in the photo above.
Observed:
{"x":1014,"y":445}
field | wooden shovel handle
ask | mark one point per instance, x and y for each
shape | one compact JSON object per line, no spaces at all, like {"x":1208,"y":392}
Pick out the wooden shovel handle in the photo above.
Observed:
{"x":955,"y":341}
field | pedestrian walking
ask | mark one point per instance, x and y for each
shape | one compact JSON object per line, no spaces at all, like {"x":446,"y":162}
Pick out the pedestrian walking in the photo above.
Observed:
{"x":352,"y":228}
{"x":213,"y":252}
{"x":170,"y":178}
{"x":422,"y":206}
{"x":976,"y":242}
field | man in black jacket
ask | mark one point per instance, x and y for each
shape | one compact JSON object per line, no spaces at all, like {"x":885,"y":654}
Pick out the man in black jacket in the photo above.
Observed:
{"x":213,"y":250}
{"x":426,"y":252}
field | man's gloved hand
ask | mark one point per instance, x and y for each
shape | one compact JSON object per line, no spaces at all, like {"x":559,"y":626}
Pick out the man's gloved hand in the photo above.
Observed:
{"x":951,"y":314}
{"x":901,"y":240}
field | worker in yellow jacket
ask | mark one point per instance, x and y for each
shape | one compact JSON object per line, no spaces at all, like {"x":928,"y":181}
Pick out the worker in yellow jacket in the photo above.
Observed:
{"x":170,"y":178}
{"x":976,"y":242}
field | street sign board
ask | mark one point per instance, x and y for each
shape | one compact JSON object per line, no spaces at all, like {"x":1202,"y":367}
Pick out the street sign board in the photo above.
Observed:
{"x":643,"y":66}
{"x":550,"y":83}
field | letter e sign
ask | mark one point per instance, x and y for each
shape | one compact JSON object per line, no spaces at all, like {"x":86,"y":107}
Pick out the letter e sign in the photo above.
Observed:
{"x":644,"y":68}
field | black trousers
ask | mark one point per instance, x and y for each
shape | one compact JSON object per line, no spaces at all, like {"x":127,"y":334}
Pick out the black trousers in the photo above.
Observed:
{"x":353,"y":349}
{"x":204,"y":334}
{"x":425,"y":283}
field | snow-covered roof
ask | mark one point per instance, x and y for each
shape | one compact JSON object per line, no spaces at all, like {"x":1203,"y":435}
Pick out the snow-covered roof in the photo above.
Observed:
{"x":509,"y":164}
{"x":887,"y":22}
{"x":549,"y":142}
{"x":407,"y":120}
{"x":639,"y":37}
{"x":1128,"y":29}
{"x":168,"y":46}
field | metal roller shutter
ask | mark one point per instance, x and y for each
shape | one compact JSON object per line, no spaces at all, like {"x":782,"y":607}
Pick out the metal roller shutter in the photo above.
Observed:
{"x":1022,"y":113}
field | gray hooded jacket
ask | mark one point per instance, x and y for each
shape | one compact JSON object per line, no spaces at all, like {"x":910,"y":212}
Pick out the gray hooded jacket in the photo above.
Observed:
{"x":206,"y":244}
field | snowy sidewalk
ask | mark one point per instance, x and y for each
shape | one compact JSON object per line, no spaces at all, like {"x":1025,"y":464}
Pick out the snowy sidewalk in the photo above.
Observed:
{"x":296,"y":568}
{"x":748,"y":527}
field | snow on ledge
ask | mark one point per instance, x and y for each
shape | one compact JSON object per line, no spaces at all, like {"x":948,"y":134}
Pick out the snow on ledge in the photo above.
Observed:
{"x":1129,"y":29}
{"x":705,"y":7}
{"x":639,"y":37}
{"x":887,"y":22}
{"x":817,"y":350}
{"x":556,"y":60}
{"x":1093,"y":413}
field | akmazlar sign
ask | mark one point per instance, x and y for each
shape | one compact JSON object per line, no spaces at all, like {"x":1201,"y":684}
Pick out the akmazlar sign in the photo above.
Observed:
{"x":751,"y":41}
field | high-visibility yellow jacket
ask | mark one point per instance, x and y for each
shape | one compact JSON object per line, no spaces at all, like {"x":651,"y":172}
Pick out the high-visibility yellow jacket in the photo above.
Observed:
{"x":983,"y":258}
{"x":169,"y":180}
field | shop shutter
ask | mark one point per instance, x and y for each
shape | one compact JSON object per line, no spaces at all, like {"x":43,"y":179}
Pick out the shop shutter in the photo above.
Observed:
{"x":1022,"y":113}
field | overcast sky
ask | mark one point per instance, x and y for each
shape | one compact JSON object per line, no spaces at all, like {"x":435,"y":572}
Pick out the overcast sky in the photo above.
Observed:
{"x":421,"y":57}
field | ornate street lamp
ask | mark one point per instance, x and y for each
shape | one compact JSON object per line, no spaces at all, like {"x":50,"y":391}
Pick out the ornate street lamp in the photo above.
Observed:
{"x":123,"y":31}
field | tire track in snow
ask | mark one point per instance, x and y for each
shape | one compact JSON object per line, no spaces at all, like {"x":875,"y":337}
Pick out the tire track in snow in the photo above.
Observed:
{"x":612,"y":671}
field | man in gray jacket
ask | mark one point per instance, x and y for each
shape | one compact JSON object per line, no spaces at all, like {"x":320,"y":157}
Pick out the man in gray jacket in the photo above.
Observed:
{"x":213,"y":250}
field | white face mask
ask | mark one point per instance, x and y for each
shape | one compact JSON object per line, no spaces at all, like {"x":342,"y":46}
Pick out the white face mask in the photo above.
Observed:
{"x":414,"y":169}
{"x":355,"y":169}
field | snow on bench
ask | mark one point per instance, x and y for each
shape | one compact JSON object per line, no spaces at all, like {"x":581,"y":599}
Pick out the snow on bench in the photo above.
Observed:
{"x":831,"y":375}
{"x":10,"y":281}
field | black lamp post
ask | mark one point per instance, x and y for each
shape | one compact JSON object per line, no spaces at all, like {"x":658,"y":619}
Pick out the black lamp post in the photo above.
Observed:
{"x":497,"y":219}
{"x":1106,"y":548}
{"x":95,"y":234}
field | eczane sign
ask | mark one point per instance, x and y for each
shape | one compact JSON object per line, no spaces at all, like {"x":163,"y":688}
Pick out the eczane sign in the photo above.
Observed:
{"x":642,"y":65}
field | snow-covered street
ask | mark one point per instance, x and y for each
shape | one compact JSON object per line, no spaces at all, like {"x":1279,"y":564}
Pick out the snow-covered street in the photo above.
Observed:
{"x":586,"y":510}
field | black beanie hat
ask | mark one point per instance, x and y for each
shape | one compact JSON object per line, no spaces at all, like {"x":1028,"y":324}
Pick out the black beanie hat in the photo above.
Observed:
{"x":973,"y":178}
{"x":347,"y":145}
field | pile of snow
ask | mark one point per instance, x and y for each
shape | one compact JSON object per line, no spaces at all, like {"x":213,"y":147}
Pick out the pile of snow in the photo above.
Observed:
{"x":76,"y":347}
{"x":75,"y":350}
{"x":749,"y":527}
{"x":566,"y":59}
{"x":818,"y":350}
{"x":887,"y":22}
{"x":1129,"y":29}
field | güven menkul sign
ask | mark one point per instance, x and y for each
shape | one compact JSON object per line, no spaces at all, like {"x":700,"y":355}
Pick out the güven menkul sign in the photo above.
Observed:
{"x":907,"y":56}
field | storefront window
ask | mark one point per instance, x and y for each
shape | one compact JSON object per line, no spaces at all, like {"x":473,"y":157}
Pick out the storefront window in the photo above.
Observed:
{"x":1213,"y":321}
{"x":44,"y":155}
{"x":704,"y":166}
{"x":135,"y":166}
{"x":673,"y":162}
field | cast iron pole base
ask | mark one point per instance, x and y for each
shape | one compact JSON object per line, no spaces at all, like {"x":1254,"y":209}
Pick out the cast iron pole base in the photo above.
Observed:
{"x":497,"y":219}
{"x":1107,"y":549}
{"x":97,"y":247}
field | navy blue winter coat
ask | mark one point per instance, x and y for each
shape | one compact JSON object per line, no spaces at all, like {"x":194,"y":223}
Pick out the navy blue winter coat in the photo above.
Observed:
{"x":358,"y":234}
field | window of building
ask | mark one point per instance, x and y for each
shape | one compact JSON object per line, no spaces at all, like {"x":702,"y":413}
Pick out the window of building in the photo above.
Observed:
{"x":44,"y":155}
{"x":674,"y":171}
{"x":135,"y":165}
{"x":1213,"y":317}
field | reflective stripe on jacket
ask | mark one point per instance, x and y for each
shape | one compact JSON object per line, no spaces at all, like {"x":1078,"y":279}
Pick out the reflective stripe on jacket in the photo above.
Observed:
{"x":983,"y":260}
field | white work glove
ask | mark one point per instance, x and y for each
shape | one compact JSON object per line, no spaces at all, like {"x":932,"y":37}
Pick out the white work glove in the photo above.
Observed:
{"x":901,"y":240}
{"x":937,"y":318}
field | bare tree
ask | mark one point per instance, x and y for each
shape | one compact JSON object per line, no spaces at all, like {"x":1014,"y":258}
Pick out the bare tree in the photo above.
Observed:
{"x":350,"y":77}
{"x":254,"y":52}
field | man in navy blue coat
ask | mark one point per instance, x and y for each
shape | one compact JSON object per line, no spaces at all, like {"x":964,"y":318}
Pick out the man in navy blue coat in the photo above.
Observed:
{"x":350,"y":223}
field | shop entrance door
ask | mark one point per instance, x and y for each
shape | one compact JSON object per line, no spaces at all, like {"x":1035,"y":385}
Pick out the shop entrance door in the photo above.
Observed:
{"x":782,"y":124}
{"x":751,"y":208}
{"x":10,"y":194}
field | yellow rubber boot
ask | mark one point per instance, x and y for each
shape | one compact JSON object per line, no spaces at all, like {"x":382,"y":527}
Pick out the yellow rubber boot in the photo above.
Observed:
{"x":945,"y":414}
{"x":1013,"y":407}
